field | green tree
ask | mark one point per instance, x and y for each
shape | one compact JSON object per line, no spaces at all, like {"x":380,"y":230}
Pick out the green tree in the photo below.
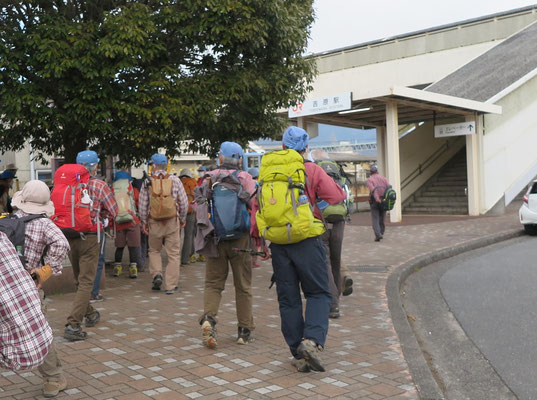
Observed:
{"x":127,"y":77}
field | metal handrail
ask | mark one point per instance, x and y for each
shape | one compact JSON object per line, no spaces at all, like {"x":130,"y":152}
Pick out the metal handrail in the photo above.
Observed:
{"x":426,"y":164}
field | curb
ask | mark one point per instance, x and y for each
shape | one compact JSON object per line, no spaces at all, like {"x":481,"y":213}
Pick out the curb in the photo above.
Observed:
{"x":426,"y":385}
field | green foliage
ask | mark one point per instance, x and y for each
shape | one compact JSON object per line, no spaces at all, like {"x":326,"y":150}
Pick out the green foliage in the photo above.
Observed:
{"x":128,"y":77}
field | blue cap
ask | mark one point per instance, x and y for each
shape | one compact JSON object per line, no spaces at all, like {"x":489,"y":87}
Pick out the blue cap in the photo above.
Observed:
{"x":122,"y":175}
{"x":231,"y":149}
{"x":202,"y":168}
{"x":87,"y":157}
{"x":159,"y":159}
{"x":8,"y":174}
{"x":296,"y":138}
{"x":254,"y":172}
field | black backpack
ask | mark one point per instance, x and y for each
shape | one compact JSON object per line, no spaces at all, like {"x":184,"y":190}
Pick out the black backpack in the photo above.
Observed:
{"x":15,"y":228}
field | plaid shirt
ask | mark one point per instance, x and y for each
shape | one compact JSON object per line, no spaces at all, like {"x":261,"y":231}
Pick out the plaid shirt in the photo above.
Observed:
{"x":25,"y":335}
{"x":178,"y":193}
{"x":44,"y":239}
{"x":104,"y":202}
{"x":376,"y":180}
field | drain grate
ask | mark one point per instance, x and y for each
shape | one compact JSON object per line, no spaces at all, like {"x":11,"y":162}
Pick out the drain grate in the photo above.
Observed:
{"x":368,"y":268}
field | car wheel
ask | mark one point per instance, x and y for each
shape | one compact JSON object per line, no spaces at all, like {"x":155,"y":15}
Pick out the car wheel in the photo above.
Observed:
{"x":530,"y":229}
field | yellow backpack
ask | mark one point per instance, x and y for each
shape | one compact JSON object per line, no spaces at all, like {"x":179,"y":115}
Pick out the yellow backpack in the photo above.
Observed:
{"x":285,"y":215}
{"x":162,"y":203}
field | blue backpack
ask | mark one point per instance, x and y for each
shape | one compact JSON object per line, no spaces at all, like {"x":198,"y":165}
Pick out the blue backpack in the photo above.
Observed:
{"x":228,"y":206}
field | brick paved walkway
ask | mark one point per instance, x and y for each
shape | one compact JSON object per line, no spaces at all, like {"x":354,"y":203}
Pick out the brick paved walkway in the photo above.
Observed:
{"x":147,"y":345}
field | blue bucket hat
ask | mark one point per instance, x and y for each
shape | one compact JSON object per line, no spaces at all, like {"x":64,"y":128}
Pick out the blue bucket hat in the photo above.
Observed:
{"x":8,"y":174}
{"x":254,"y":172}
{"x":87,"y":157}
{"x":231,"y":149}
{"x":159,"y":159}
{"x":122,"y":175}
{"x":296,"y":138}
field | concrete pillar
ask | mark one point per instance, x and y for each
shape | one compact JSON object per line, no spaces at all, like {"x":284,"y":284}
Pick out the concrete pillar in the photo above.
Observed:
{"x":381,"y":150}
{"x":392,"y":156}
{"x":473,"y":165}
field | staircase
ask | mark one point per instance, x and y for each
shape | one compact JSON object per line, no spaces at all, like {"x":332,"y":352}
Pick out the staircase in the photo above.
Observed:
{"x":444,"y":193}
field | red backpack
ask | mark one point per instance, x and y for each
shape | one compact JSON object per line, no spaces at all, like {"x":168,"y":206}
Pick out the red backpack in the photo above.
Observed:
{"x":71,"y":200}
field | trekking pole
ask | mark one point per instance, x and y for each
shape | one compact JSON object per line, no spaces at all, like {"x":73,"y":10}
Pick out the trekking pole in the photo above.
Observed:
{"x":261,"y":254}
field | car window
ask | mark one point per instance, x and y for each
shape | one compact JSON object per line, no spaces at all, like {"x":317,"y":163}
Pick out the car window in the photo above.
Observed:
{"x":534,"y":188}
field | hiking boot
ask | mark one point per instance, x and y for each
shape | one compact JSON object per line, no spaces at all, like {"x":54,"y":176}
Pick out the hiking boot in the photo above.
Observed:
{"x":245,"y":336}
{"x":92,"y":321}
{"x":53,"y":388}
{"x":193,"y":258}
{"x":347,"y":285}
{"x":172,"y":291}
{"x":310,"y":351}
{"x":202,"y":258}
{"x":300,"y":364}
{"x":133,"y":271}
{"x":208,"y":332}
{"x":377,"y":238}
{"x":157,"y":282}
{"x":74,"y":333}
{"x":96,"y":299}
{"x":117,"y":269}
{"x":334,"y":312}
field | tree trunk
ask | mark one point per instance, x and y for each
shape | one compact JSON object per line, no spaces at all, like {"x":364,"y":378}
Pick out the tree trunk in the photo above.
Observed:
{"x":73,"y":143}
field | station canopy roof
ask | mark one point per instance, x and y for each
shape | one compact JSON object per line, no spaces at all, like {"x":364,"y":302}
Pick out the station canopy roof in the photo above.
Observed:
{"x":414,"y":105}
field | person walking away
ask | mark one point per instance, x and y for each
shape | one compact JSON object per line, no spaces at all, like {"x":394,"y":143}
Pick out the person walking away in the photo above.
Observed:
{"x":189,"y":184}
{"x":95,"y":292}
{"x":45,"y":248}
{"x":377,"y":185}
{"x":126,"y":225}
{"x":25,"y":332}
{"x":137,"y":184}
{"x":80,"y":218}
{"x":335,"y":217}
{"x":298,"y":256}
{"x":223,"y":230}
{"x":254,"y":172}
{"x":163,"y":208}
{"x":6,"y":182}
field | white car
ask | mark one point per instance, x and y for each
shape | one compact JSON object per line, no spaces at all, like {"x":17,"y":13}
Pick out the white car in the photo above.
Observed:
{"x":528,"y":210}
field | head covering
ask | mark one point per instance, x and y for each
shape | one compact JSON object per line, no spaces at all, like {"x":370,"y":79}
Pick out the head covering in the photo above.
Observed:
{"x":373,"y":169}
{"x":296,"y":138}
{"x":202,"y":168}
{"x":159,"y":159}
{"x":254,"y":172}
{"x":34,"y":198}
{"x":122,"y":175}
{"x":8,"y":174}
{"x":185,"y":172}
{"x":231,"y":149}
{"x":87,"y":157}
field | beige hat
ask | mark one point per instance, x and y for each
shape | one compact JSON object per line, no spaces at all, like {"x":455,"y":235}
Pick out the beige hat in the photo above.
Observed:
{"x":34,"y":198}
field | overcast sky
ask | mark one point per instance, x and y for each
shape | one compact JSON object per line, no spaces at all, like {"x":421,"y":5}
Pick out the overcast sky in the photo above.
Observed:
{"x":341,"y":23}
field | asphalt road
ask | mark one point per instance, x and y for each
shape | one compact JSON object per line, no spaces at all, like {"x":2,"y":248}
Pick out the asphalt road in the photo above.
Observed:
{"x":474,"y":316}
{"x":494,"y":298}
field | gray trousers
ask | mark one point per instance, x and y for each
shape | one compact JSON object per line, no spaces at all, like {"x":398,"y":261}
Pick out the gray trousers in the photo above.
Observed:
{"x":377,"y":218}
{"x":51,"y":369}
{"x":333,"y":242}
{"x":188,"y":241}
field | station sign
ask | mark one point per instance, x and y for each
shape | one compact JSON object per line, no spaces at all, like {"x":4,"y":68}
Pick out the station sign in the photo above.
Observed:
{"x":328,"y":104}
{"x":459,"y":129}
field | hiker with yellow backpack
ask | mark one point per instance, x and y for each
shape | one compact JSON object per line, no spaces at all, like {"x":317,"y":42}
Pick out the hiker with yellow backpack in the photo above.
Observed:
{"x":288,"y":217}
{"x":163,"y":206}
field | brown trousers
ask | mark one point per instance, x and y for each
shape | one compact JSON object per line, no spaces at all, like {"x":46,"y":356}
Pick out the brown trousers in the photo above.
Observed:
{"x":169,"y":231}
{"x":51,"y":369}
{"x":84,"y":256}
{"x":216,"y":271}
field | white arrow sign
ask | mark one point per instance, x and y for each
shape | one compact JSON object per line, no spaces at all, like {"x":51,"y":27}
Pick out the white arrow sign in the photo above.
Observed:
{"x":459,"y":129}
